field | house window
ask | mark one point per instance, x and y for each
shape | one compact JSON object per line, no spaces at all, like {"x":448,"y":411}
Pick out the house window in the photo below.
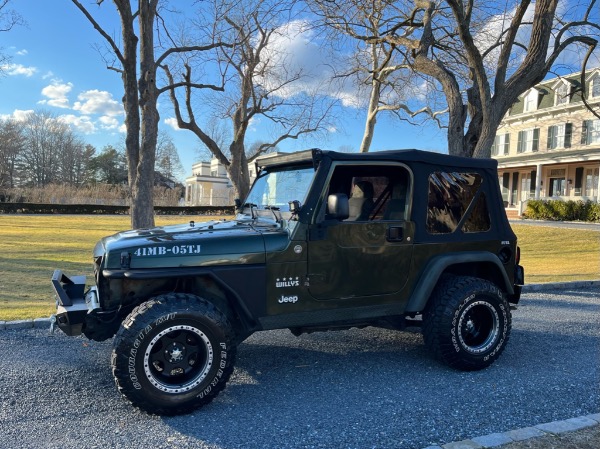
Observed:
{"x":559,"y":136}
{"x":591,"y":182}
{"x":528,"y":140}
{"x":595,"y":85}
{"x":590,"y":132}
{"x":501,"y":145}
{"x":562,"y":94}
{"x":531,"y":100}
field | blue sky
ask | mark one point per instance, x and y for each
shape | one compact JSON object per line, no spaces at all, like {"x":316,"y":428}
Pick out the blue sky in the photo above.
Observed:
{"x":55,"y":67}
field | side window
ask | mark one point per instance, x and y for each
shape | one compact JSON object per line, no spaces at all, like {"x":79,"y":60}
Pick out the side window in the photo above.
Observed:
{"x":451,"y":197}
{"x":375,"y":192}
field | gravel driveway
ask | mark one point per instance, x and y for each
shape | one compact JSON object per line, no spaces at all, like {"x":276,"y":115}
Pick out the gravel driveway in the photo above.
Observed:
{"x":368,"y":388}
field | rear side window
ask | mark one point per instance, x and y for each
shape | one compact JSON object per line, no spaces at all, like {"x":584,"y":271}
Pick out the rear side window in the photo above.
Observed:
{"x":456,"y":199}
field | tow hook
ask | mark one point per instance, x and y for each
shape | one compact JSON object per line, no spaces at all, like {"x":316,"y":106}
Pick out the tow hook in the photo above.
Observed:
{"x":52,"y":323}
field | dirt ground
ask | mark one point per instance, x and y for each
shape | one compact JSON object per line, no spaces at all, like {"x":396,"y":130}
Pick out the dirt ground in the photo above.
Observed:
{"x":588,"y":438}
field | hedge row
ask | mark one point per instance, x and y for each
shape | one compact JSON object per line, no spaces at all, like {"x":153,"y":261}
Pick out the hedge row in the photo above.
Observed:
{"x":31,"y":208}
{"x":563,"y":210}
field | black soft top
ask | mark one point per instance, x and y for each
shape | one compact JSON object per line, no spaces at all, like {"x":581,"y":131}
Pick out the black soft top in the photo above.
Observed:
{"x":315,"y":156}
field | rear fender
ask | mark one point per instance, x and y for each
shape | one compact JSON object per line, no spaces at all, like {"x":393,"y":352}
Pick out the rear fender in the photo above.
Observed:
{"x":462,"y":263}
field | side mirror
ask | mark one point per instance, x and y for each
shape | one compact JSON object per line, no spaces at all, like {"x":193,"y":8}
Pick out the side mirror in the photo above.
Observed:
{"x":338,"y":206}
{"x":238,"y":205}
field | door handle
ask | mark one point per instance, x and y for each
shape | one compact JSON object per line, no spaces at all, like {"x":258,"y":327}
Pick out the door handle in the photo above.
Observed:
{"x":395,"y":234}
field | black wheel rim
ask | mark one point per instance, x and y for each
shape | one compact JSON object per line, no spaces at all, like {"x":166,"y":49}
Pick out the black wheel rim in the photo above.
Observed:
{"x":478,"y":327}
{"x":178,"y":359}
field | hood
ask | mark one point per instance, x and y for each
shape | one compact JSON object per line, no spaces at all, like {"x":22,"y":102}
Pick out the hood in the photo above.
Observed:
{"x":191,"y":245}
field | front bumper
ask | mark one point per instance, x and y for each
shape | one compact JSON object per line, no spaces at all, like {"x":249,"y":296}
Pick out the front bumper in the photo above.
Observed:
{"x":73,"y":303}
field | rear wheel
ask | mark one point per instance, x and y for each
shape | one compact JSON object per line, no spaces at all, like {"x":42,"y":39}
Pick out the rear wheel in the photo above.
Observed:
{"x":467,"y":322}
{"x":173,"y":354}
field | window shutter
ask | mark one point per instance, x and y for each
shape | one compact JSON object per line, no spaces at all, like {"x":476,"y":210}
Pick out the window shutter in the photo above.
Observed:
{"x":506,"y":143}
{"x":551,"y":132}
{"x":568,"y":132}
{"x":578,"y":180}
{"x":584,"y":132}
{"x":536,"y":139}
{"x":532,"y":185}
{"x":520,"y":142}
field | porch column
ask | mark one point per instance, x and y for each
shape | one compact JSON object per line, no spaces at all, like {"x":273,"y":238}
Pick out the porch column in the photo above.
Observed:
{"x":538,"y":181}
{"x":598,"y":189}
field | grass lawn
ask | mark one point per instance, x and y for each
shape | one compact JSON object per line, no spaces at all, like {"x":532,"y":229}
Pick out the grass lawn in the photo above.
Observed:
{"x":32,"y":246}
{"x":551,"y":254}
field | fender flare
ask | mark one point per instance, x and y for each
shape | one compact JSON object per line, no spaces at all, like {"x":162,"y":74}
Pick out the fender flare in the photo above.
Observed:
{"x":436,"y":267}
{"x":248,"y":320}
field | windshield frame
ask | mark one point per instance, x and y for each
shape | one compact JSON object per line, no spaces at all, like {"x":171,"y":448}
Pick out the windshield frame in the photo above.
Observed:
{"x":278,"y":210}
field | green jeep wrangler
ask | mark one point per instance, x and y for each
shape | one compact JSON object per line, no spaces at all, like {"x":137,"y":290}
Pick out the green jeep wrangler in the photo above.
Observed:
{"x":323,"y":241}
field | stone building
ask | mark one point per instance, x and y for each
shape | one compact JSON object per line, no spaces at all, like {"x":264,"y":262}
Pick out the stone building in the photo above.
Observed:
{"x":210,"y":186}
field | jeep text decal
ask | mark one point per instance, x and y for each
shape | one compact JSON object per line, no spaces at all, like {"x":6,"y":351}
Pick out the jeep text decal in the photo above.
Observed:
{"x":177,"y":250}
{"x":284,"y":299}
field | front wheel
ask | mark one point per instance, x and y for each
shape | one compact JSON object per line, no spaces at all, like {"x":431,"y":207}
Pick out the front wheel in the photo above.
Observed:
{"x":467,"y":322}
{"x":173,"y":354}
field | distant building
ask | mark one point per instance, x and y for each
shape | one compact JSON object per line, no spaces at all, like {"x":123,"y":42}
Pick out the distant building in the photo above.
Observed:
{"x":210,"y":186}
{"x":548,"y":144}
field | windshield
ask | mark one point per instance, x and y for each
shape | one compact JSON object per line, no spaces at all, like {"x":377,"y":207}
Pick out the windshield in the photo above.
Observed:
{"x":275,"y":189}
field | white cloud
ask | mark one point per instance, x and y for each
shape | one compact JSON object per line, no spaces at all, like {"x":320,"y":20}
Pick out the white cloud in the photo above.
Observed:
{"x":18,"y":69}
{"x":293,"y":51}
{"x":18,"y":115}
{"x":172,"y":122}
{"x":48,"y":74}
{"x":22,"y":52}
{"x":80,"y":123}
{"x":57,"y":93}
{"x":98,"y":102}
{"x":108,"y":122}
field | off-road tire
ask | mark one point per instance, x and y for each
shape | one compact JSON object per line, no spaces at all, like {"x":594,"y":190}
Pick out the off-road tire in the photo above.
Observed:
{"x":173,"y":354}
{"x":467,"y":322}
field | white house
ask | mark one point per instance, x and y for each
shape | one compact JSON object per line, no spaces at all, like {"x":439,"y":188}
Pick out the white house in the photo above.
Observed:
{"x":548,"y":145}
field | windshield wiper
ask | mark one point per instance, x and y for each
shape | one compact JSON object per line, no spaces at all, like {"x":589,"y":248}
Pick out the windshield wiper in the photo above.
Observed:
{"x":252,"y":208}
{"x":277,"y":215}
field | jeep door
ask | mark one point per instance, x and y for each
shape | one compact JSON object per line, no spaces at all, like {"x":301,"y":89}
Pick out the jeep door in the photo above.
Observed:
{"x":368,"y":252}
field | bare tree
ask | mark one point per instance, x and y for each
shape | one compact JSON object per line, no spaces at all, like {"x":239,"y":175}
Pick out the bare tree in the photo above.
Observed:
{"x":375,"y":64}
{"x":168,"y":163}
{"x":485,"y":55}
{"x":9,"y":18}
{"x":530,"y":36}
{"x":137,"y":63}
{"x":11,"y":145}
{"x":74,"y":160}
{"x":45,"y":138}
{"x":259,"y":85}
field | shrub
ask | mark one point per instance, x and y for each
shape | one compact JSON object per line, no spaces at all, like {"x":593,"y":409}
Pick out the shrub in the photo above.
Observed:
{"x":562,"y":210}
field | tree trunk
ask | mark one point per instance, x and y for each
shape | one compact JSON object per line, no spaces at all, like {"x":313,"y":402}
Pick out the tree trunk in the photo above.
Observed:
{"x":238,"y":171}
{"x":371,"y":121}
{"x":142,"y":206}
